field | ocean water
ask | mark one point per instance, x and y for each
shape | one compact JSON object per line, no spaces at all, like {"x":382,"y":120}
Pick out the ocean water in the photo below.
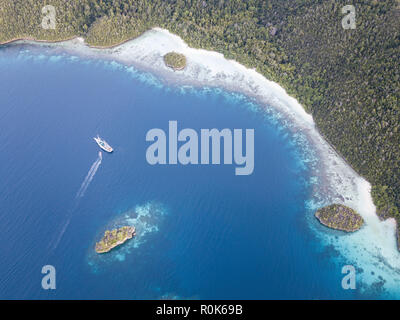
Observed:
{"x":203,"y":233}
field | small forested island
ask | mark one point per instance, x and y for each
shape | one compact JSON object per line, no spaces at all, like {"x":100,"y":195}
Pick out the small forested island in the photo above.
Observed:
{"x":114,"y":238}
{"x":339,"y":217}
{"x":174,"y":60}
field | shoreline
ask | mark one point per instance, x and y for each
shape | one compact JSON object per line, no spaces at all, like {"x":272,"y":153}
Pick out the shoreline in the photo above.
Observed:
{"x":337,"y":180}
{"x":12,"y":41}
{"x":81,"y":39}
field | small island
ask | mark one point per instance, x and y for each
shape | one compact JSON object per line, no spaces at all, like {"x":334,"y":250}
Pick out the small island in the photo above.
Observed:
{"x":174,"y":60}
{"x":114,"y":238}
{"x":339,"y":217}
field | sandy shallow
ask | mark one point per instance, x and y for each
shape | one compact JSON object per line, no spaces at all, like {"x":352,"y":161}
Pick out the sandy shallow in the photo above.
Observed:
{"x":372,"y":249}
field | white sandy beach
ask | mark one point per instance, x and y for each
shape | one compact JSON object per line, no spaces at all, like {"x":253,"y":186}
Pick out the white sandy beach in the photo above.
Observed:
{"x":373,"y":248}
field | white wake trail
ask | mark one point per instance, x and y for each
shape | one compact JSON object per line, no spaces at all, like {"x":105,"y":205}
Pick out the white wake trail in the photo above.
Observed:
{"x":89,"y":177}
{"x":61,"y":233}
{"x":81,"y":192}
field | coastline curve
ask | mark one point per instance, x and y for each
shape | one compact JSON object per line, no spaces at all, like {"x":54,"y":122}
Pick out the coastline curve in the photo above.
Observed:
{"x":335,"y":181}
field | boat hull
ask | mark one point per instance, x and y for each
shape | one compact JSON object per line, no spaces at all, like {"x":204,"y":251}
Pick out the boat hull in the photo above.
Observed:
{"x":103,"y":145}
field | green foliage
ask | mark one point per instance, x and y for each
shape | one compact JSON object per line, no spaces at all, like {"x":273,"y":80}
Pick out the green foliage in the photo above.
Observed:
{"x":339,"y":217}
{"x":384,"y":200}
{"x":114,"y":238}
{"x":174,"y":60}
{"x":347,"y":79}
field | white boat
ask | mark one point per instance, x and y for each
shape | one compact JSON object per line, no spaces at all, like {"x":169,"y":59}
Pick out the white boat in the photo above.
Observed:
{"x":103,"y":144}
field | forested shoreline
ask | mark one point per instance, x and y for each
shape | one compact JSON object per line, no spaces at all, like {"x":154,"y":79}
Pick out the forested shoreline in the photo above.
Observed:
{"x":348,"y":79}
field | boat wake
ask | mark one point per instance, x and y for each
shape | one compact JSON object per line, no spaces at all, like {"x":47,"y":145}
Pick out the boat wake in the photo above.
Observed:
{"x":372,"y":249}
{"x":81,"y":192}
{"x":62,"y":233}
{"x":89,"y":177}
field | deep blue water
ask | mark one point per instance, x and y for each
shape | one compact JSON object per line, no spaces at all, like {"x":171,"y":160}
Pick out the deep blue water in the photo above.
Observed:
{"x":204,"y":232}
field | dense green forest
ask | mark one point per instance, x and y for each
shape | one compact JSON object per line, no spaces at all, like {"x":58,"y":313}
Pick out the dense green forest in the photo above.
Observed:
{"x":347,"y":78}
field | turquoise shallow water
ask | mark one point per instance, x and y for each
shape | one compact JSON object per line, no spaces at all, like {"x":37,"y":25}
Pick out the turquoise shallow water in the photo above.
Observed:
{"x":202,"y":231}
